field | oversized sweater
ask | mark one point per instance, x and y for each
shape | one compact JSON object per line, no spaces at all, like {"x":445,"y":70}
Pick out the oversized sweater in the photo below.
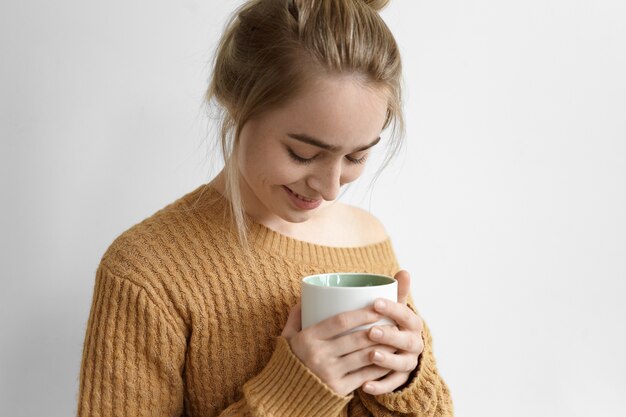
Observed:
{"x":183,"y":323}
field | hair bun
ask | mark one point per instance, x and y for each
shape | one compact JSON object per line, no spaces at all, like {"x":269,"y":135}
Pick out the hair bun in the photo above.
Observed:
{"x":377,"y":5}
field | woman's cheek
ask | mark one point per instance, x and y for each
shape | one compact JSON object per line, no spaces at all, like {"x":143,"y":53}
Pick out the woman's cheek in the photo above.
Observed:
{"x":352,"y":173}
{"x":287,"y":172}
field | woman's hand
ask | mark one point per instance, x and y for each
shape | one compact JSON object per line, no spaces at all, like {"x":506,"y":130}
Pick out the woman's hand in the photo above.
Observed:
{"x":407,"y":338}
{"x":343,"y":363}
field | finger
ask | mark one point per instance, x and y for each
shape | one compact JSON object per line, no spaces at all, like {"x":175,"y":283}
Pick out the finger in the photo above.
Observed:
{"x":405,"y":340}
{"x":360,"y":358}
{"x":351,"y":342}
{"x":398,"y":312}
{"x":387,"y":384}
{"x":294,"y":321}
{"x":369,"y":373}
{"x":401,"y":362}
{"x":353,"y":361}
{"x":404,"y":286}
{"x":390,"y":350}
{"x":354,"y":341}
{"x":342,"y":322}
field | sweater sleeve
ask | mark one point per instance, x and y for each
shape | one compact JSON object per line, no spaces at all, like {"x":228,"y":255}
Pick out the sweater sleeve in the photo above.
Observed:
{"x":286,"y":387}
{"x":132,"y":355}
{"x":424,"y":395}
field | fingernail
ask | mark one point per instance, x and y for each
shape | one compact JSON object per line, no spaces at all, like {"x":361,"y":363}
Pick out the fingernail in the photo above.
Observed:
{"x":378,"y":357}
{"x":380,"y":305}
{"x":368,"y":388}
{"x":376,"y":333}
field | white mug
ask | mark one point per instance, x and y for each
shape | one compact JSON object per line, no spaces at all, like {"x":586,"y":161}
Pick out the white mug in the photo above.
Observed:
{"x":326,"y":295}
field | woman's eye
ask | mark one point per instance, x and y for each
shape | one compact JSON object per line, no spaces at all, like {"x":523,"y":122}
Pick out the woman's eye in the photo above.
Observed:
{"x":357,"y":160}
{"x":299,"y":159}
{"x":306,"y":161}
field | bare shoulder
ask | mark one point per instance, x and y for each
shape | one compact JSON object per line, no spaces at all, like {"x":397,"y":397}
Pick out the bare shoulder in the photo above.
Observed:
{"x":363,"y":224}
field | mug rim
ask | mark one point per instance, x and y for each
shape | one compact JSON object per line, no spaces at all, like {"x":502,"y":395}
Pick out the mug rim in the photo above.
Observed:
{"x":391,"y":282}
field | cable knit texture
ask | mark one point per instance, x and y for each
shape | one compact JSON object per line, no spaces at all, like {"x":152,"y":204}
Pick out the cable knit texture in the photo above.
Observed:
{"x":182,"y":323}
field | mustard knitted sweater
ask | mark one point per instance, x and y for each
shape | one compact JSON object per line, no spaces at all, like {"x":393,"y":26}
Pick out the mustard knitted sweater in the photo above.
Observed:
{"x":183,"y":324}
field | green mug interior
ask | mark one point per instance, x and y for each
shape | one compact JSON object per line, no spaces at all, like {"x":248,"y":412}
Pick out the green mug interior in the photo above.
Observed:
{"x":348,"y":280}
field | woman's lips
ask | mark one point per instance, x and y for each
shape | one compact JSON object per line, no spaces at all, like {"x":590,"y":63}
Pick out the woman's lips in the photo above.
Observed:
{"x":302,"y":202}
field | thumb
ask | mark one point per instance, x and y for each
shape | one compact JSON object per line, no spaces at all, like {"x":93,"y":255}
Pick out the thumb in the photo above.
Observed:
{"x":294,"y":321}
{"x":404,"y":286}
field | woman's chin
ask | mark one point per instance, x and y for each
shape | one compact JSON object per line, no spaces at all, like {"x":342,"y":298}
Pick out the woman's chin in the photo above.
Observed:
{"x":297,"y":217}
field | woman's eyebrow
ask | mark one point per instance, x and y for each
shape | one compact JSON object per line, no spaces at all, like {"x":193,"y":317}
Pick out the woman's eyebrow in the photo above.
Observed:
{"x":310,"y":140}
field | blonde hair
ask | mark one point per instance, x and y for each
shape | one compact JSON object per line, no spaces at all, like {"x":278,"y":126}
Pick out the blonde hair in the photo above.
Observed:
{"x":272,"y":49}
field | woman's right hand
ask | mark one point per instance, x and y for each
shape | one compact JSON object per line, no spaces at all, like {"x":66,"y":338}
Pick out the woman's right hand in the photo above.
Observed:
{"x":343,"y":363}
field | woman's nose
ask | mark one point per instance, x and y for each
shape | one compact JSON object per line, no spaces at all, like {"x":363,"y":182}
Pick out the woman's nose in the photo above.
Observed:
{"x":327,"y":181}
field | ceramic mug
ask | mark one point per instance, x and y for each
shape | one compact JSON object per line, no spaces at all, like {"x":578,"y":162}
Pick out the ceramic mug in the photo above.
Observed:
{"x":326,"y":295}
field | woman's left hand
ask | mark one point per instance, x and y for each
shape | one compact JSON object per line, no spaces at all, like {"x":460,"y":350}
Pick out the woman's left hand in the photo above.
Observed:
{"x":406,"y":337}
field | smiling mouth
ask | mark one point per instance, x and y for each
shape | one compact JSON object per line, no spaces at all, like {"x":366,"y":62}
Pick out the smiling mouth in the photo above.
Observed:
{"x":309,"y":200}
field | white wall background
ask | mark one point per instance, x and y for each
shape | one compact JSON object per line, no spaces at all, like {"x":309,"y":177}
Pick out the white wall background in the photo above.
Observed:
{"x":507,"y":206}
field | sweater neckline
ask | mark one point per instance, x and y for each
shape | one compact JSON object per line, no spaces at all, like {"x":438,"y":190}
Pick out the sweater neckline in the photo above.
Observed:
{"x":285,"y":246}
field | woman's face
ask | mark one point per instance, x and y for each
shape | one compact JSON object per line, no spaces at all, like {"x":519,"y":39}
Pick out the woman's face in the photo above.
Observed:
{"x":294,"y":160}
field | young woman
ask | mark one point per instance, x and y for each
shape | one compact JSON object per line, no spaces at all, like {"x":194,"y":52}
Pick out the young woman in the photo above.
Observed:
{"x":196,"y":309}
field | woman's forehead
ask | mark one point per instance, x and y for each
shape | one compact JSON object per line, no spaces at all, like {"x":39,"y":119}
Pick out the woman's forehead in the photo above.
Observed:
{"x":334,"y":113}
